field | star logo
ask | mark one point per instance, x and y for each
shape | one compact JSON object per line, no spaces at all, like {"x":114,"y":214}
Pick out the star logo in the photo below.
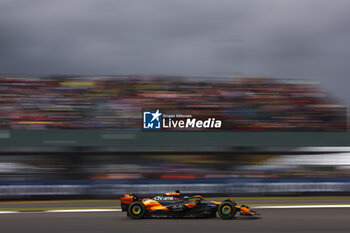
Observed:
{"x":156,"y":115}
{"x":152,"y":119}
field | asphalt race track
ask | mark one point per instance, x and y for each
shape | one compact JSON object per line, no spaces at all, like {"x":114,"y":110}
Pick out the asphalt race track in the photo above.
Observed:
{"x":278,"y":214}
{"x":272,"y":220}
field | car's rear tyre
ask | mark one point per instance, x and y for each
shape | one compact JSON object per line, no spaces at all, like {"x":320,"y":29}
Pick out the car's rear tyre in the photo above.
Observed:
{"x":136,"y":210}
{"x":226,"y":210}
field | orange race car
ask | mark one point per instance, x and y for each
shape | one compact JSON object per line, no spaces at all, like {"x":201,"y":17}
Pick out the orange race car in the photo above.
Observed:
{"x":175,"y":205}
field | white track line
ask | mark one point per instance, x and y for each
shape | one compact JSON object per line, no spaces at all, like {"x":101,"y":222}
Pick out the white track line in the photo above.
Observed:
{"x":82,"y":210}
{"x":60,"y":211}
{"x":118,"y":210}
{"x":9,"y":212}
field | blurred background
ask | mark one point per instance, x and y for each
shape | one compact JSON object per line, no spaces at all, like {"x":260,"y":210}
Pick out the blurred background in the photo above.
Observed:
{"x":76,"y":74}
{"x":81,"y":137}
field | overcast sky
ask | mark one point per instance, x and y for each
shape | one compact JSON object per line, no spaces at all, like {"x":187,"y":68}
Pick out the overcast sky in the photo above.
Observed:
{"x":279,"y":38}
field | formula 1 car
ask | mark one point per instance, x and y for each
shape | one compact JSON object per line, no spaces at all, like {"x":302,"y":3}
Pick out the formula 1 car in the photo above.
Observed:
{"x":175,"y":205}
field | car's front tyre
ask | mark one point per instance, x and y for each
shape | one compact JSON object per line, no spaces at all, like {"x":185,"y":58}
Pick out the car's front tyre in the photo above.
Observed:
{"x":227,"y":210}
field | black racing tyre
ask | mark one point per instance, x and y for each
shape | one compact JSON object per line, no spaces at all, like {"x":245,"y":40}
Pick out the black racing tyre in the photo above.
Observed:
{"x":227,"y":210}
{"x":136,"y":210}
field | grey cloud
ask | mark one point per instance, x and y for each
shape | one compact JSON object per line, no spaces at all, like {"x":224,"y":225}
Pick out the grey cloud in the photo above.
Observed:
{"x":300,"y":38}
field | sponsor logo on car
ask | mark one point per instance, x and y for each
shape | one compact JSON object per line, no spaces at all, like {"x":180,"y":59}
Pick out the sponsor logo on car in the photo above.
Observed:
{"x":159,"y":198}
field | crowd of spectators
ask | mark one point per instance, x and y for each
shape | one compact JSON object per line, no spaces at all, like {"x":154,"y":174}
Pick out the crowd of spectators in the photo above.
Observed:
{"x":115,"y":102}
{"x":160,"y":166}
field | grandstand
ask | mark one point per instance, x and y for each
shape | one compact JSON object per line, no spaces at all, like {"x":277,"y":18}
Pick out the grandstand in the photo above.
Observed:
{"x":116,"y":102}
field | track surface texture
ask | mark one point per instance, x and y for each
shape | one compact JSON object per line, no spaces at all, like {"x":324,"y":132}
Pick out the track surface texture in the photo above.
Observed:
{"x":272,"y":220}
